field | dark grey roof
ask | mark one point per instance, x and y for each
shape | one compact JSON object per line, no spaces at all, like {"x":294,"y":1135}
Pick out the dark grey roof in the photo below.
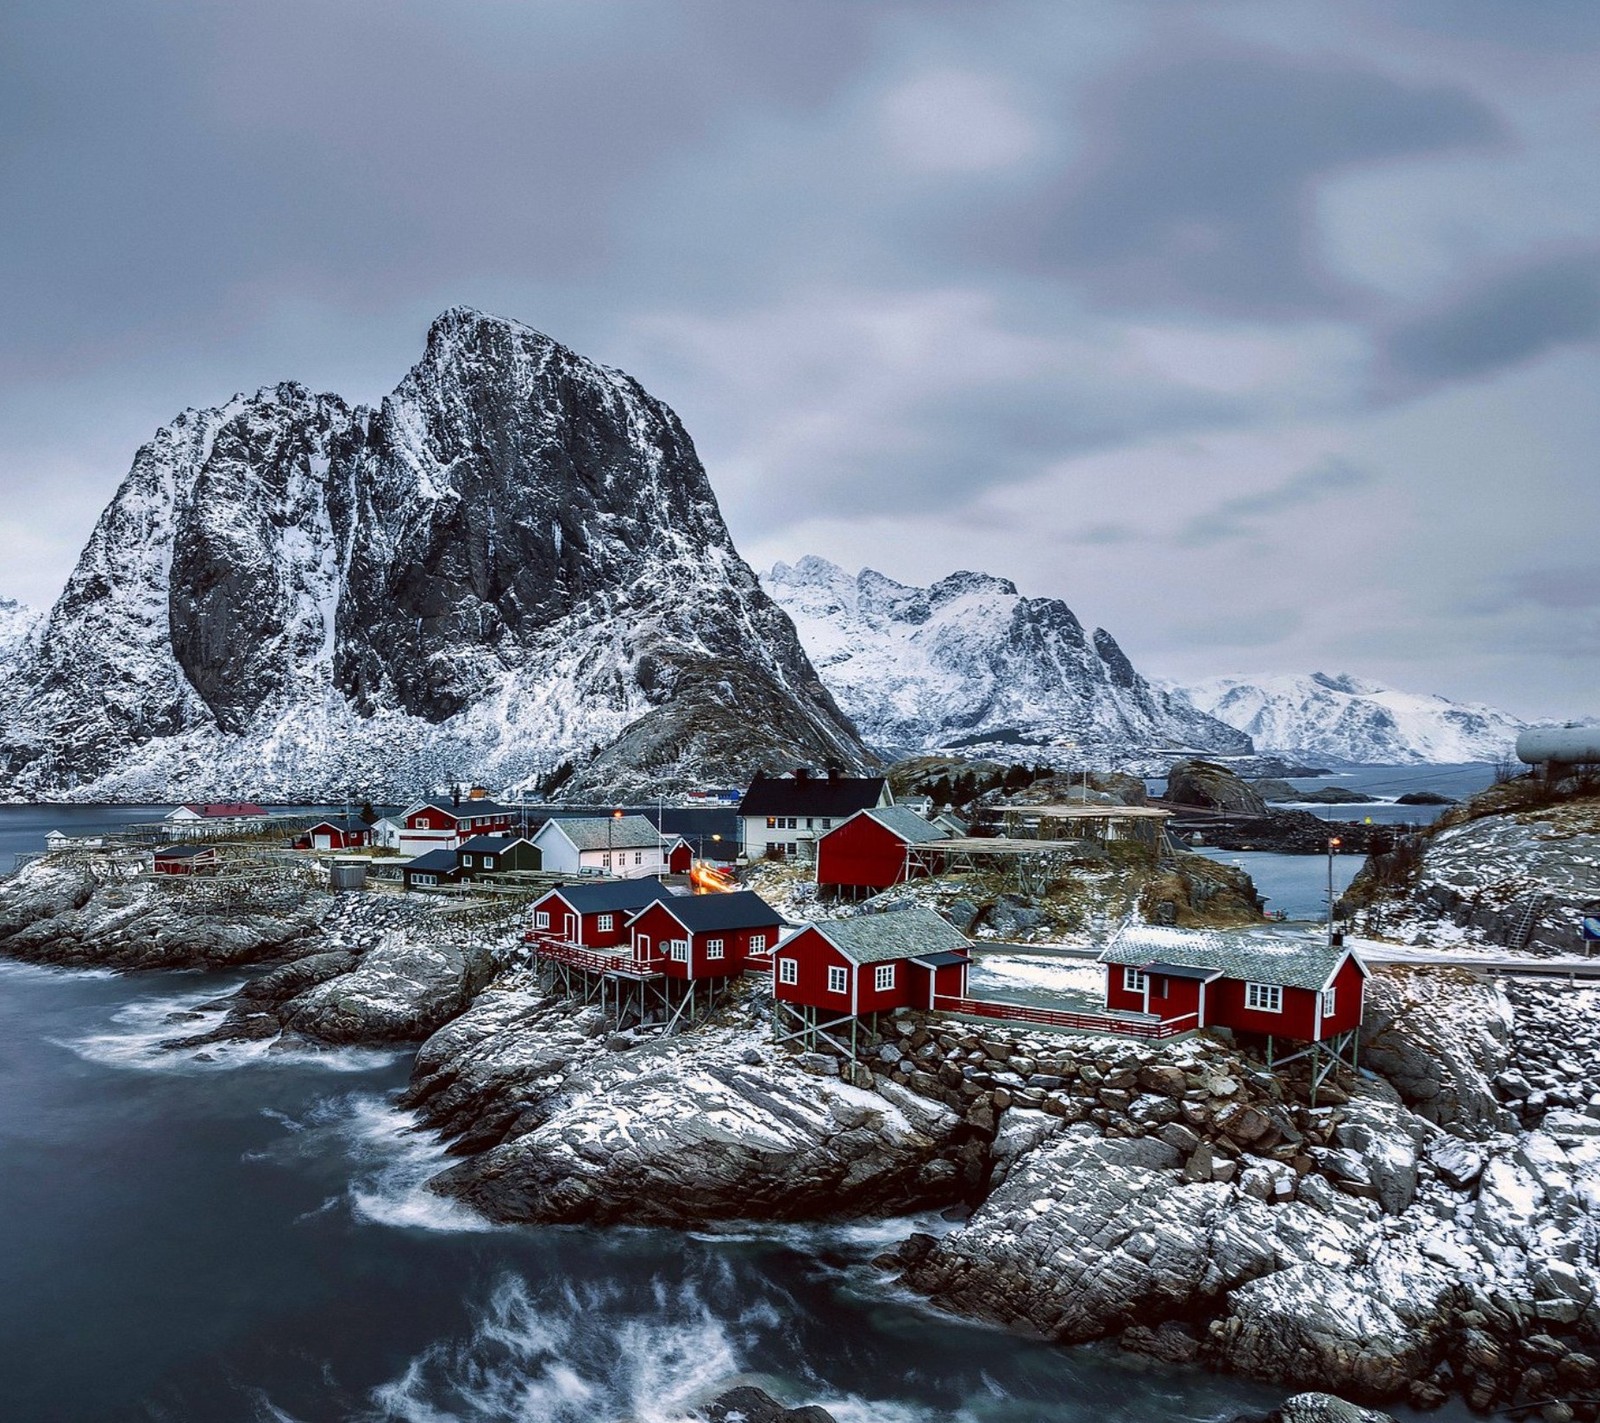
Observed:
{"x":909,"y":933}
{"x":612,"y":895}
{"x":467,"y":808}
{"x":742,"y":909}
{"x":491,"y":844}
{"x":907,"y":824}
{"x":185,"y":852}
{"x":347,"y":823}
{"x":434,"y":862}
{"x":835,"y":796}
{"x":1173,"y":970}
{"x":943,"y":960}
{"x":1250,"y":957}
{"x":608,"y":832}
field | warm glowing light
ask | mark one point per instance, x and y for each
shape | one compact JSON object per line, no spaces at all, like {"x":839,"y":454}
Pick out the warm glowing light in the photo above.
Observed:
{"x":708,"y":879}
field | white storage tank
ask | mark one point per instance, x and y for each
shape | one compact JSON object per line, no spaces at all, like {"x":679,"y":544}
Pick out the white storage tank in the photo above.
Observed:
{"x":1561,"y":745}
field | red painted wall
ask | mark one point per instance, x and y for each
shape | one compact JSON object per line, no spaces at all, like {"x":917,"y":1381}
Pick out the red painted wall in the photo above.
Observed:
{"x":679,"y":858}
{"x":860,"y":853}
{"x":815,"y":954}
{"x":1348,"y":1000}
{"x":659,"y":926}
{"x":587,"y":930}
{"x":1225,"y":1009}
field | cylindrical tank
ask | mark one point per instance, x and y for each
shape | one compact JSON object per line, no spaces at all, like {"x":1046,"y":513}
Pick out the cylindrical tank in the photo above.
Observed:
{"x":1565,"y":745}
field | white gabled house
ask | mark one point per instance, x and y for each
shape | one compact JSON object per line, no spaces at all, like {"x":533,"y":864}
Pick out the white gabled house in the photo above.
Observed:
{"x":623,"y":845}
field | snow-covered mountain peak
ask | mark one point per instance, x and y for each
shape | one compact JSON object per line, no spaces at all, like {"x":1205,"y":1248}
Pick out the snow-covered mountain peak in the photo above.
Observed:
{"x":1321,"y":717}
{"x":969,"y":661}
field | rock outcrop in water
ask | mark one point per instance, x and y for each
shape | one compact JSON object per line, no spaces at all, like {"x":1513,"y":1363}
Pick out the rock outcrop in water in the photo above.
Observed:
{"x":515,"y":564}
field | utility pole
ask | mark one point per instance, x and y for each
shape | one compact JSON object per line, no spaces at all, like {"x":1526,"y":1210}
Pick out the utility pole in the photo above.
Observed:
{"x":1333,"y":844}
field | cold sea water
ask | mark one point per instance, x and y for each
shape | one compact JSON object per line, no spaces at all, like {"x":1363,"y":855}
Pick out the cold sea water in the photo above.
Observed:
{"x":240,"y":1234}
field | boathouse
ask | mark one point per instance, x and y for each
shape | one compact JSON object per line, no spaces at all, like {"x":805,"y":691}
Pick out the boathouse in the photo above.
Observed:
{"x":867,"y":852}
{"x":706,"y":935}
{"x":829,"y":975}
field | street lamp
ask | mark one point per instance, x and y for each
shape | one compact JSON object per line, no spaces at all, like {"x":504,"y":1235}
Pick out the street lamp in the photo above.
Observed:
{"x":1333,"y":844}
{"x":615,"y":816}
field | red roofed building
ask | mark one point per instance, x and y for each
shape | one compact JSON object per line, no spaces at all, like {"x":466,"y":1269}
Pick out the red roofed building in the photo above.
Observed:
{"x":867,"y":852}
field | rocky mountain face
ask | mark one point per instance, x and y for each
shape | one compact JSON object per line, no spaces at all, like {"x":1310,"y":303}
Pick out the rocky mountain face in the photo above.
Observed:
{"x":971,"y":663}
{"x":18,"y":622}
{"x":1323,"y":717}
{"x":516,"y":562}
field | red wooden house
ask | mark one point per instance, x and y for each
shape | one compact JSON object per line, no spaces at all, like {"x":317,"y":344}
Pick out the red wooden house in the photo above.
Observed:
{"x":1274,"y":987}
{"x":339,"y":832}
{"x":867,"y":852}
{"x":443,"y":825}
{"x":593,"y":916}
{"x":188,"y":860}
{"x":695,"y":936}
{"x":839,"y":970}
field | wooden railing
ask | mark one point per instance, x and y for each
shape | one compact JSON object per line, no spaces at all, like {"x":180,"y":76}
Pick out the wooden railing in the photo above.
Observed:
{"x":1059,"y":1018}
{"x":578,"y":956}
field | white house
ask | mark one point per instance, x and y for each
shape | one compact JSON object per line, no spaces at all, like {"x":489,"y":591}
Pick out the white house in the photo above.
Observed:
{"x":623,"y":845}
{"x":386,"y":832}
{"x":216,"y":818}
{"x":784,"y":816}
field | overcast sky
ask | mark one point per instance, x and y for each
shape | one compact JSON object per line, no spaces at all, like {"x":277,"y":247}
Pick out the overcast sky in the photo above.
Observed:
{"x":1265,"y":334}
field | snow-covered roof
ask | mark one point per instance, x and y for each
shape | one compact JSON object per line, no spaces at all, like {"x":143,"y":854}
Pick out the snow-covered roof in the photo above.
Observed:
{"x":1252,"y":958}
{"x":606,"y":832}
{"x":912,"y":932}
{"x":742,"y":909}
{"x":903,"y":823}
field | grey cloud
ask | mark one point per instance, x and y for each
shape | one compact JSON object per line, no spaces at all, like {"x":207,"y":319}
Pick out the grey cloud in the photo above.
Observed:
{"x":1510,"y":318}
{"x":1199,"y":186}
{"x":1241,"y":515}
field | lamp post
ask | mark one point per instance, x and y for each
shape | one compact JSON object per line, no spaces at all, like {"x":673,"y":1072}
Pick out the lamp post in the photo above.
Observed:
{"x":611,"y":820}
{"x":1333,"y":844}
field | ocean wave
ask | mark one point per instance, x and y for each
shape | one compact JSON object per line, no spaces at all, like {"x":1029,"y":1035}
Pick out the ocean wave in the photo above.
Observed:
{"x":144,"y":1036}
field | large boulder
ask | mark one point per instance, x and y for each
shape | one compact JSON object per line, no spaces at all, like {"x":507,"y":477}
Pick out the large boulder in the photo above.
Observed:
{"x":1212,"y":787}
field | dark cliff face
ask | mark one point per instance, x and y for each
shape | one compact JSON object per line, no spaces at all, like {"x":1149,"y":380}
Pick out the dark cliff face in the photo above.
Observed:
{"x":519,"y":546}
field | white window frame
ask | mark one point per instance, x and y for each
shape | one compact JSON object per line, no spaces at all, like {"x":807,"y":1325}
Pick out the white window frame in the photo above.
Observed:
{"x":638,"y":857}
{"x":541,"y":919}
{"x":1330,"y":997}
{"x":1263,"y":997}
{"x":789,"y":971}
{"x":714,"y":949}
{"x":838,"y":979}
{"x":1132,"y":980}
{"x":883,"y":978}
{"x":605,"y":859}
{"x":466,"y":859}
{"x":678,"y":949}
{"x":605,"y":923}
{"x":424,"y":879}
{"x":758,"y":945}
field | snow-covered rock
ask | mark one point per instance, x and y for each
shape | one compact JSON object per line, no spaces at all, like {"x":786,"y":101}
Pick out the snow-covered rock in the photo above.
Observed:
{"x":970,"y":662}
{"x":516,"y":561}
{"x":18,"y":624}
{"x":1324,"y":717}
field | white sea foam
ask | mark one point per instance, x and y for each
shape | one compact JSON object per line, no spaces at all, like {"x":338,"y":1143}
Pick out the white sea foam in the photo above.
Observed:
{"x":542,"y":1357}
{"x":141,"y":1034}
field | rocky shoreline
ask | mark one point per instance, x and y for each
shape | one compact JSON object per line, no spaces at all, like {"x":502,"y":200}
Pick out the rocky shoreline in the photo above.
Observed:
{"x":1428,"y":1230}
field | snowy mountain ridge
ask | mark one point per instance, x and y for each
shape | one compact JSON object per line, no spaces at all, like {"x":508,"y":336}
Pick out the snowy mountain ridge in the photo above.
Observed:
{"x":970,"y":662}
{"x":516,"y":563}
{"x":1321,"y":716}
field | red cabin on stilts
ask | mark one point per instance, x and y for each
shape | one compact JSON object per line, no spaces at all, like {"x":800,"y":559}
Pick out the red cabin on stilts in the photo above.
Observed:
{"x":867,"y":853}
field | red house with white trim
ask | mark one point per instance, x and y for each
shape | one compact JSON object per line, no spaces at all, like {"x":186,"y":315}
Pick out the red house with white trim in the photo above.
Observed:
{"x":340,"y":832}
{"x":694,"y":936}
{"x":593,"y":916}
{"x":867,"y":852}
{"x":1272,"y":986}
{"x":442,"y":825}
{"x":872,"y":964}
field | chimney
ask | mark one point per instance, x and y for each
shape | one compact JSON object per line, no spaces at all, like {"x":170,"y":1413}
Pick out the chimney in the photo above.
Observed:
{"x":802,"y":773}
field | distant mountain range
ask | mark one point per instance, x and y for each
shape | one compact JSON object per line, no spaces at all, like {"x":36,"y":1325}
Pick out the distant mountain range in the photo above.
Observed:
{"x":1322,"y":717}
{"x":514,"y":566}
{"x":969,"y":664}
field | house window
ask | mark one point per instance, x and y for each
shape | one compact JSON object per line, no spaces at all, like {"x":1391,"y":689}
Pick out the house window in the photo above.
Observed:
{"x":638,"y":857}
{"x":488,"y":862}
{"x":713,"y":948}
{"x":772,"y":822}
{"x":1132,"y":980}
{"x":466,"y":859}
{"x":605,"y":859}
{"x":758,"y":945}
{"x":680,"y":951}
{"x":788,"y":969}
{"x":1264,"y":997}
{"x":883,"y":977}
{"x":1328,"y":1001}
{"x":541,"y":920}
{"x":604,"y":923}
{"x":423,"y":823}
{"x":838,"y":980}
{"x":827,"y":822}
{"x":424,"y":879}
{"x":810,"y":823}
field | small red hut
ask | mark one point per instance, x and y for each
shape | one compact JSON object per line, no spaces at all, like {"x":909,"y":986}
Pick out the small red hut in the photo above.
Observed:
{"x":340,"y":832}
{"x":1270,"y":985}
{"x":842,"y":968}
{"x":867,"y":853}
{"x":594,"y":916}
{"x":187,"y":860}
{"x":705,"y":935}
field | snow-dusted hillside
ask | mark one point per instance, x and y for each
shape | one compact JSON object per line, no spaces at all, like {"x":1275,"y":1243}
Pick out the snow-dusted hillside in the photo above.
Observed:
{"x":515,"y":562}
{"x":1341,"y":718}
{"x":971,"y":662}
{"x":18,"y":623}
